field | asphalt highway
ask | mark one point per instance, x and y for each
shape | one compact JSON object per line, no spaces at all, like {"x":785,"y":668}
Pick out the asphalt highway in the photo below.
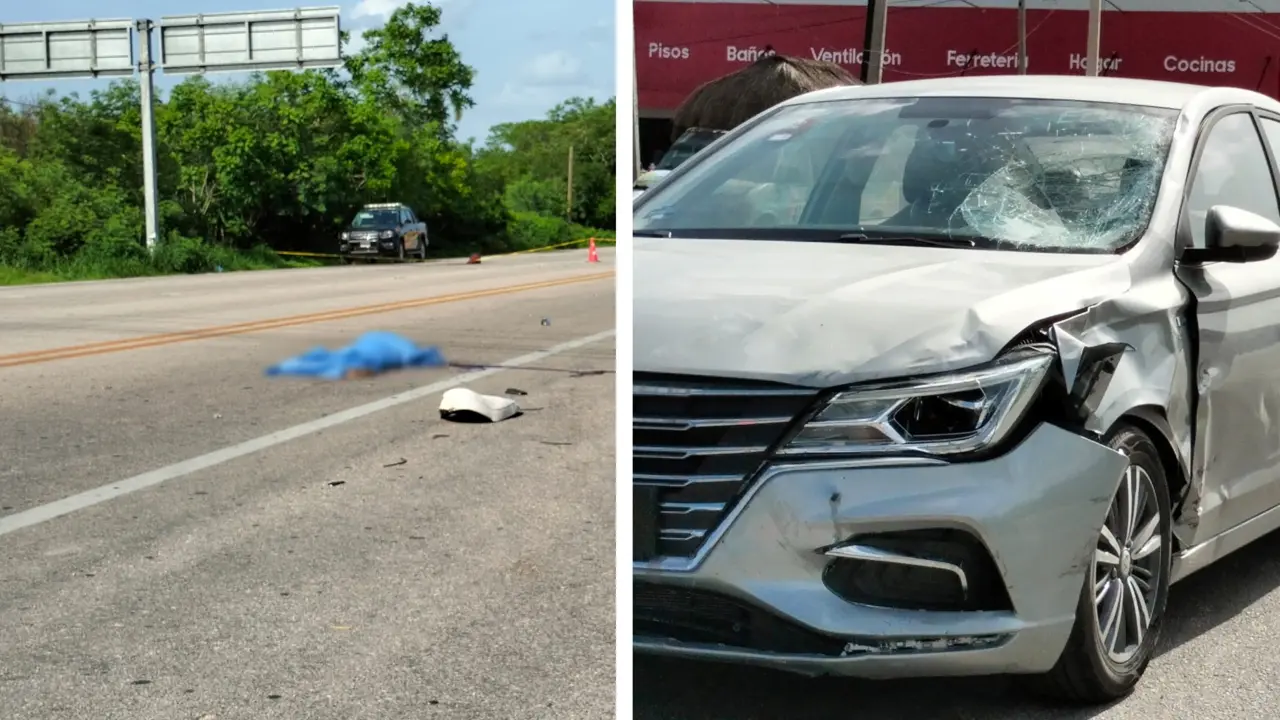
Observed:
{"x":184,"y":537}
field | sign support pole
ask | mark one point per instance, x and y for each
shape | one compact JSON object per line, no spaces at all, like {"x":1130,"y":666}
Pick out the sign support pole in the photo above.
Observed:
{"x":1094,"y":53}
{"x":1022,"y":37}
{"x":873,"y":42}
{"x":635,"y":117}
{"x":146,"y":78}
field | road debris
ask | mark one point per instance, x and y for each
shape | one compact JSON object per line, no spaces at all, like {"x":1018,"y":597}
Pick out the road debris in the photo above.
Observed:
{"x":469,"y":406}
{"x":401,"y":461}
{"x":515,"y":391}
{"x":336,"y":483}
{"x":371,"y":354}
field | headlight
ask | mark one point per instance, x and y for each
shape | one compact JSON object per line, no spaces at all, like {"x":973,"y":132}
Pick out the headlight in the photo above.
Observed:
{"x":346,"y":236}
{"x":387,"y":235}
{"x":945,"y":415}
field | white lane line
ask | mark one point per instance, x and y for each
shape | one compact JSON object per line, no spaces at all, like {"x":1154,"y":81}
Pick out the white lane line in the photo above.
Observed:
{"x":89,"y":498}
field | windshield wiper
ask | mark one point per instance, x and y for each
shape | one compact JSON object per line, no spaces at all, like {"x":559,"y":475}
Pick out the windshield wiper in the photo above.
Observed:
{"x":946,"y":242}
{"x":651,"y":233}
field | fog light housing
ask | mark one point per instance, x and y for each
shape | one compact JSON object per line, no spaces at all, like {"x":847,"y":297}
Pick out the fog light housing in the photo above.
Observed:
{"x":936,"y":569}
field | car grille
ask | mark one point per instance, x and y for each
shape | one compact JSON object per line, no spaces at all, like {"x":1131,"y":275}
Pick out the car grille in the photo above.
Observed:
{"x":698,"y":441}
{"x":364,"y":236}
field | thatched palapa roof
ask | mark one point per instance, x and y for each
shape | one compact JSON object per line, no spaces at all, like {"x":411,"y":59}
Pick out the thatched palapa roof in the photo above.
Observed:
{"x":728,"y":101}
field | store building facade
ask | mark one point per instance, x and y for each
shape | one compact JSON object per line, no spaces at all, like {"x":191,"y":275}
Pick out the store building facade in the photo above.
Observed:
{"x":682,"y":43}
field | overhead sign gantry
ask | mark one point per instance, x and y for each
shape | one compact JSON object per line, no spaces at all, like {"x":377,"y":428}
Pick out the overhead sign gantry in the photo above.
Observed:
{"x":301,"y":38}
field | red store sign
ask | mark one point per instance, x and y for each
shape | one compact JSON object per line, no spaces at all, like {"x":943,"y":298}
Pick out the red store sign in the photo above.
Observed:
{"x":680,"y":45}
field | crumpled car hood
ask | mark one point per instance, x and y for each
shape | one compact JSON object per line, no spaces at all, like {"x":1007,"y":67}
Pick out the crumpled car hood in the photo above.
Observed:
{"x":826,"y":314}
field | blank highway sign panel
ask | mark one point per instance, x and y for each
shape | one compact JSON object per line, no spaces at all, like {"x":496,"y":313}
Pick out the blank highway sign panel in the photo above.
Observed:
{"x":75,"y":49}
{"x":267,"y":40}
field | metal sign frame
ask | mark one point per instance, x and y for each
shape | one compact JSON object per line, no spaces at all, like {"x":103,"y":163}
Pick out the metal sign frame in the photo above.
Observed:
{"x":306,"y":37}
{"x":66,"y":50}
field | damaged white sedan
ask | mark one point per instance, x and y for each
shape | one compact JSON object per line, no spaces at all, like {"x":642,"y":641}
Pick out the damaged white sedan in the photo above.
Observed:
{"x":956,"y":376}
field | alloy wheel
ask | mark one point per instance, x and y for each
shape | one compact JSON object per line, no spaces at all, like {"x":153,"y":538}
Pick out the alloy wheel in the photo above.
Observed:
{"x":1127,"y":566}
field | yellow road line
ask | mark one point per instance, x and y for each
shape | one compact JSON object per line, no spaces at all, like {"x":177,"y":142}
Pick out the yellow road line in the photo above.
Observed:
{"x":110,"y":346}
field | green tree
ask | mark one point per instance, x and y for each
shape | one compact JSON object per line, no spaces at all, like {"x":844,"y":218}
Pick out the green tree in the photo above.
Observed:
{"x":408,"y":66}
{"x":530,"y":160}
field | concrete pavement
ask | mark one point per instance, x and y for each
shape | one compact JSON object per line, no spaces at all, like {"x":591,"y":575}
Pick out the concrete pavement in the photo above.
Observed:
{"x":388,"y":566}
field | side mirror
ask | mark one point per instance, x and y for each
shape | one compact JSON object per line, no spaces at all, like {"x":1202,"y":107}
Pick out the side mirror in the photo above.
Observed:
{"x":1230,"y":227}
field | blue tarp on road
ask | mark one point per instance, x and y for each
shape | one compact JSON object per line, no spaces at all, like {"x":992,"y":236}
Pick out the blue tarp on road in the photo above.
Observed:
{"x":371,"y":354}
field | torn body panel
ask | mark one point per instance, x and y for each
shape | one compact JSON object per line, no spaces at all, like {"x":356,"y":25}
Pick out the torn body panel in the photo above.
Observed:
{"x":1131,"y":352}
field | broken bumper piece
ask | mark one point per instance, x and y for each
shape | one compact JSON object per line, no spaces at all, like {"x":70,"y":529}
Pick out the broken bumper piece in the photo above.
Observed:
{"x":891,"y":571}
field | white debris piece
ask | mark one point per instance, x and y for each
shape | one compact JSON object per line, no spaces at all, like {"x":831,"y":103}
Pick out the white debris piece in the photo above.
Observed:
{"x":463,"y":405}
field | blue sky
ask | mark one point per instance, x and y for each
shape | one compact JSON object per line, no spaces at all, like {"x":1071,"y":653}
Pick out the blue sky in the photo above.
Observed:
{"x":528,"y":54}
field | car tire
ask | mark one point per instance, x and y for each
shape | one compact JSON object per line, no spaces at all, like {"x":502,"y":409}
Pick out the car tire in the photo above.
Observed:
{"x":1089,"y":672}
{"x":422,"y":249}
{"x":400,"y":253}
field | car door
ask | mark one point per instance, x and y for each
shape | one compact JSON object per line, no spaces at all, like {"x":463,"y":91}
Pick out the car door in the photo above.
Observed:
{"x":404,"y":229}
{"x":1236,"y":459}
{"x":418,"y":236}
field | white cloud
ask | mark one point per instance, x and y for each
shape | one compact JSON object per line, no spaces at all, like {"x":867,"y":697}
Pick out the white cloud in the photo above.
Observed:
{"x":554,"y":69}
{"x":532,"y":100}
{"x":522,"y":95}
{"x":355,"y":43}
{"x":379,"y":9}
{"x":453,"y":12}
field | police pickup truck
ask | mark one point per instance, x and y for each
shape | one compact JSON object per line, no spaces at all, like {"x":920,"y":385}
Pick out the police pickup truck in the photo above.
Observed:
{"x":384,"y":230}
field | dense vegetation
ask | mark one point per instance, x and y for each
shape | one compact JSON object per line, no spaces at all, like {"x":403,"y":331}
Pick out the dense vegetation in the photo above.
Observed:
{"x":282,"y":161}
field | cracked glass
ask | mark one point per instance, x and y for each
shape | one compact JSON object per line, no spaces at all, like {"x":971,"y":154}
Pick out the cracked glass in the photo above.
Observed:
{"x":1017,"y":174}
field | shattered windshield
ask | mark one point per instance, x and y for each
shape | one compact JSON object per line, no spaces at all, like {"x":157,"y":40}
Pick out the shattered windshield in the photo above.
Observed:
{"x":1014,"y":174}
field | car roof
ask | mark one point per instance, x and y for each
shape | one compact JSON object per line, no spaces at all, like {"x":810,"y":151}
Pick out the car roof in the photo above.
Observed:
{"x":1125,"y":91}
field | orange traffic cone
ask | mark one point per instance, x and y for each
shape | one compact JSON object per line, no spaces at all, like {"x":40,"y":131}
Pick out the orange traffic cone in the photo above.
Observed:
{"x":474,"y":259}
{"x":592,"y":255}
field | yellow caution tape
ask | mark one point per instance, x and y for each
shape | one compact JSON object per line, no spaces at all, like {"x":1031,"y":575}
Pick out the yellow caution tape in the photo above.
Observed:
{"x":292,"y":253}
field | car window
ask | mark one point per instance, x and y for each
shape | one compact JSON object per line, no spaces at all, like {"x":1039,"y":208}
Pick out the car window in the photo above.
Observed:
{"x":1013,"y":173}
{"x":409,"y":217}
{"x":374,"y":218}
{"x":1271,"y":131}
{"x":1233,"y":170}
{"x":688,"y":145}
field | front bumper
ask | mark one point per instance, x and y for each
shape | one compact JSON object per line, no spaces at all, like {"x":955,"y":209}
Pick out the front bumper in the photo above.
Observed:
{"x":1037,"y":509}
{"x":377,"y":248}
